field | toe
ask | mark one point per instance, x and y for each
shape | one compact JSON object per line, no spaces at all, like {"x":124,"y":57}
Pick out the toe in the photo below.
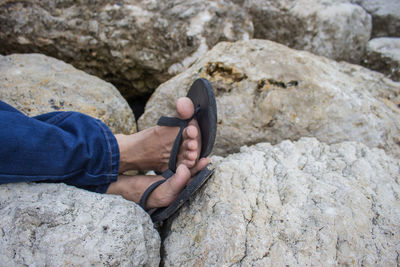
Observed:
{"x":190,"y":132}
{"x":189,"y":163}
{"x":189,"y":144}
{"x":192,"y":145}
{"x":178,"y":182}
{"x":201,"y":164}
{"x":184,"y":108}
{"x":167,"y":192}
{"x":190,"y":155}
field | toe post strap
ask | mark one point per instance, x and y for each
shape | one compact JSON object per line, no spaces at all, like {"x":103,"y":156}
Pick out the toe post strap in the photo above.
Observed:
{"x":176,"y":122}
{"x":172,"y":122}
{"x":147,"y":193}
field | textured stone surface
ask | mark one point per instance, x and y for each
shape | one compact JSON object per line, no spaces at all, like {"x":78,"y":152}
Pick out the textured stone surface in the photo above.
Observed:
{"x":268,"y":92}
{"x":36,"y":84}
{"x":383,"y":55}
{"x":293,"y":204}
{"x":59,"y":225}
{"x":336,"y":29}
{"x":385,"y":16}
{"x":133,"y":44}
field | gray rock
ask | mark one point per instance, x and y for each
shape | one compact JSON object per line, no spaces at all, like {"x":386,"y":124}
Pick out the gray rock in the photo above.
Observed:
{"x":59,"y":225}
{"x":335,"y":29}
{"x":268,"y":92}
{"x":135,"y":45}
{"x":383,"y":55}
{"x":293,"y":204}
{"x":385,"y":16}
{"x":37,"y":84}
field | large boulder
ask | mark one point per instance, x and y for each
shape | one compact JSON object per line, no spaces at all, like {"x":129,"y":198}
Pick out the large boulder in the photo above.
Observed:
{"x":133,"y":44}
{"x":37,"y":84}
{"x":60,"y":225}
{"x":383,"y":55}
{"x":336,"y":29}
{"x":385,"y":16}
{"x":268,"y":92}
{"x":293,"y":204}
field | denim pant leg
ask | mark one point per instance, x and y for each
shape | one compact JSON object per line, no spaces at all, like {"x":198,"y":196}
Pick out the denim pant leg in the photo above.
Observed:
{"x":67,"y":147}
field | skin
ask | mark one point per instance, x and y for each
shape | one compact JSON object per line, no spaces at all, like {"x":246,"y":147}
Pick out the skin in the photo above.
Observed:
{"x":150,"y":150}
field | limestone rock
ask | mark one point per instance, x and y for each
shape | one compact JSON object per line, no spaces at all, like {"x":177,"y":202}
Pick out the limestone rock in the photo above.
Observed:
{"x":293,"y":204}
{"x":383,"y":55}
{"x":268,"y":92}
{"x":336,"y":29}
{"x":60,"y":225}
{"x":385,"y":16}
{"x":133,"y":44}
{"x":37,"y":84}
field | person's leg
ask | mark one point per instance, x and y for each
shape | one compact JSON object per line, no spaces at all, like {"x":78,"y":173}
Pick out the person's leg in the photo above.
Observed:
{"x":65,"y":147}
{"x":42,"y":148}
{"x":76,"y":149}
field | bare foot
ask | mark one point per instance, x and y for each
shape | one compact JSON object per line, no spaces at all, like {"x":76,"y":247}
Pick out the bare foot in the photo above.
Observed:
{"x":132,"y":187}
{"x":150,"y":149}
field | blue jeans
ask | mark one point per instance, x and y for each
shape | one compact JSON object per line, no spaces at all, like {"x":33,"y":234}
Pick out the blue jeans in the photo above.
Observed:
{"x":67,"y":147}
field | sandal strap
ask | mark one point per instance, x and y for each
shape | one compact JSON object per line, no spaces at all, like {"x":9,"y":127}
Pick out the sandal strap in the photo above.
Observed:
{"x":148,"y":191}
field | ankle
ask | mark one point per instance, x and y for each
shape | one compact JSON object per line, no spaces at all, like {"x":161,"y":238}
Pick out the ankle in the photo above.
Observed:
{"x":127,"y":144}
{"x":122,"y":146}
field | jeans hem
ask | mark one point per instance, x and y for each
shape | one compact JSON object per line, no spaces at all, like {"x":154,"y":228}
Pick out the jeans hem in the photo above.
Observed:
{"x":112,"y":145}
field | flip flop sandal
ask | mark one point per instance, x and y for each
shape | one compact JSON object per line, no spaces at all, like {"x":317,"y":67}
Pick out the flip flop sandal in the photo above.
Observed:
{"x":202,"y":96}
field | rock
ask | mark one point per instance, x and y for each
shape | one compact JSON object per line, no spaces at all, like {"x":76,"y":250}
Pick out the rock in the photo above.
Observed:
{"x":383,"y":55}
{"x":60,"y":225}
{"x":293,"y":204}
{"x":268,"y":92}
{"x":335,"y":29}
{"x":385,"y":16}
{"x":135,"y":45}
{"x":37,"y":84}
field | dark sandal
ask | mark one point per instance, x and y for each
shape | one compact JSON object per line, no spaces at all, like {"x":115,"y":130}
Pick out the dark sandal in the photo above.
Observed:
{"x":202,"y":96}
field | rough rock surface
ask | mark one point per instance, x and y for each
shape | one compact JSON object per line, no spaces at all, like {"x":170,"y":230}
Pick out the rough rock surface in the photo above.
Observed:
{"x":36,"y":84}
{"x":385,"y":16}
{"x":293,"y":204}
{"x":133,"y":44}
{"x":336,"y":29}
{"x":383,"y":55}
{"x":60,"y":225}
{"x":268,"y":92}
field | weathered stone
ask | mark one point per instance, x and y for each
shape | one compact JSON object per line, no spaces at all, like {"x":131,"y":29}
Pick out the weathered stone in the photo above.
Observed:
{"x":335,"y":29}
{"x":268,"y":92}
{"x":37,"y":84}
{"x":385,"y":16}
{"x":293,"y":204}
{"x":135,"y":45}
{"x":60,"y":225}
{"x":383,"y":55}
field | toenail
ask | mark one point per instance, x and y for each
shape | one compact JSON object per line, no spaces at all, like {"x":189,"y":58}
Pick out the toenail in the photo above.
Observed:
{"x":193,"y":155}
{"x":192,"y":145}
{"x":192,"y":131}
